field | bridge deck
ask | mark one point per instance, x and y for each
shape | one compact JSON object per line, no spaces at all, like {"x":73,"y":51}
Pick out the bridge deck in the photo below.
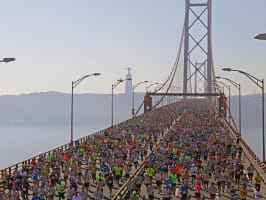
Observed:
{"x":150,"y":140}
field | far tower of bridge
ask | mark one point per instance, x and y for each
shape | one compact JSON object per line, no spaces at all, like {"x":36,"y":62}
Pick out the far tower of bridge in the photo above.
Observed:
{"x":198,"y":65}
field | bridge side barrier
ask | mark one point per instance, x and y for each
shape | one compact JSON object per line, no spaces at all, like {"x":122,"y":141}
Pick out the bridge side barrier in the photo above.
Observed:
{"x":250,"y":154}
{"x":64,"y":147}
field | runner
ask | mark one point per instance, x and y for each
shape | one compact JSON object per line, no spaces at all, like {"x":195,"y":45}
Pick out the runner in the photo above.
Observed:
{"x":258,"y":194}
{"x":197,"y":148}
{"x":198,"y":190}
{"x":212,"y":191}
{"x":250,"y":172}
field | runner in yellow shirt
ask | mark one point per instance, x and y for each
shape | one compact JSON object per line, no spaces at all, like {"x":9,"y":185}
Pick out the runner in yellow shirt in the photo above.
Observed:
{"x":258,"y":180}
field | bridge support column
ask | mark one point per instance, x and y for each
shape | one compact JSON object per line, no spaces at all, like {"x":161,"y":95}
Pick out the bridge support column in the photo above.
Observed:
{"x":186,"y":48}
{"x":222,"y":106}
{"x":209,"y":56}
{"x":197,"y":49}
{"x":147,"y":103}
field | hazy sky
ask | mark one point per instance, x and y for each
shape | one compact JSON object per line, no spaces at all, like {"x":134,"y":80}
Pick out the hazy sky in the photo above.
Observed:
{"x":56,"y":42}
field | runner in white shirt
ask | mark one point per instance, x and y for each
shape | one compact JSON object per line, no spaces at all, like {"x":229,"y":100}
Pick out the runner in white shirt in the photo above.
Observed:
{"x":76,"y":197}
{"x":193,"y":171}
{"x":258,"y":194}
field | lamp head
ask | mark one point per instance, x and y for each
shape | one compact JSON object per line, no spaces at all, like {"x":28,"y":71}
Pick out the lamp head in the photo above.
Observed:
{"x":260,"y":36}
{"x":218,"y":77}
{"x":146,"y":81}
{"x":96,"y":74}
{"x":227,"y":69}
{"x":6,"y":60}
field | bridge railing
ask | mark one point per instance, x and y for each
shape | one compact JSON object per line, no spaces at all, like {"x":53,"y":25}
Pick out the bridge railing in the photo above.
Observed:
{"x":250,"y":154}
{"x":62,"y":148}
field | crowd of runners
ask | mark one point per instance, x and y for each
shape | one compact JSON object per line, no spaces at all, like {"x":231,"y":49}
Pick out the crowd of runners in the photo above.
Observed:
{"x":196,"y":160}
{"x":87,"y":169}
{"x":192,"y":158}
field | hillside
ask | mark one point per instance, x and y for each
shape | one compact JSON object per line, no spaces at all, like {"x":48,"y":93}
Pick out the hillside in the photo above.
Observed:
{"x":53,"y":108}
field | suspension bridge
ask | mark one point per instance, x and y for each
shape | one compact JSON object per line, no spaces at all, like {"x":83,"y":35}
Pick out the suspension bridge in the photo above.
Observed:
{"x":184,"y":117}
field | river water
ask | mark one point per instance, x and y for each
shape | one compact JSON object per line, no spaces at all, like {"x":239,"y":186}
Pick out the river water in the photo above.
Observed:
{"x":253,"y":136}
{"x":19,"y":143}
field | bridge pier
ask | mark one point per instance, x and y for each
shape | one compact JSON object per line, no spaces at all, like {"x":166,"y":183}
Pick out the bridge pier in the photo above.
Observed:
{"x":147,"y":103}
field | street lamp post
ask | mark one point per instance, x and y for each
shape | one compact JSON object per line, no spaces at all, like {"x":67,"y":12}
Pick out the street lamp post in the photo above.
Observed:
{"x":75,"y":84}
{"x":262,"y":37}
{"x":229,"y":95}
{"x":112,"y":104}
{"x":112,"y":109}
{"x":260,"y":84}
{"x":147,"y":87}
{"x":218,"y":86}
{"x":133,"y":98}
{"x":219,"y":89}
{"x":238,"y":86}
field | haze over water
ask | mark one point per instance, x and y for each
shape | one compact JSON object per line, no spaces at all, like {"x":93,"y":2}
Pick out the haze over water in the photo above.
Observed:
{"x":19,"y":143}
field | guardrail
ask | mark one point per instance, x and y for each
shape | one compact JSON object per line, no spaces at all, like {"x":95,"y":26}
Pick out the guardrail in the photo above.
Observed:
{"x":250,"y":154}
{"x":62,"y":148}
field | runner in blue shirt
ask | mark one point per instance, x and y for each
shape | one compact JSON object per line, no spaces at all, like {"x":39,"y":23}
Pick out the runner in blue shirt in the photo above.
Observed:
{"x":169,"y":183}
{"x":36,"y":197}
{"x":184,"y":191}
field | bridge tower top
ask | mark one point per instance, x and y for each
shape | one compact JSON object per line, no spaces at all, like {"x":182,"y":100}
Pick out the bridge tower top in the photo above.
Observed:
{"x":197,"y":46}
